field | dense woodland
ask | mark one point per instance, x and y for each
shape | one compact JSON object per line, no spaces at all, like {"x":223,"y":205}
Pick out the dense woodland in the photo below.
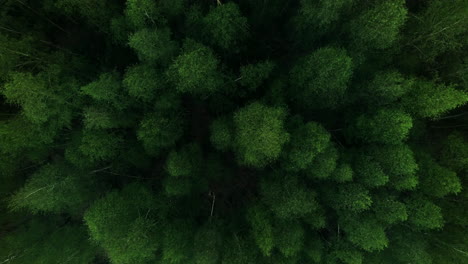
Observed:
{"x":233,"y":132}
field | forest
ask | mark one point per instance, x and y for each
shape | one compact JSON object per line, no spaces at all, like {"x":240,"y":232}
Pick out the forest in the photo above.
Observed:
{"x":233,"y":131}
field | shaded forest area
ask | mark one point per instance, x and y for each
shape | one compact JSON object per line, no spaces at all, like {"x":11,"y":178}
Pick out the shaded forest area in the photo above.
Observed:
{"x":233,"y":132}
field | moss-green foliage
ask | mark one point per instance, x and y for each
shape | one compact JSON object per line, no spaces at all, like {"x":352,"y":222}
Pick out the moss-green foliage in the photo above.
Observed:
{"x":287,"y":197}
{"x":153,"y":45}
{"x":378,"y":27}
{"x":48,"y":241}
{"x":121,"y":223}
{"x":423,"y":213}
{"x":222,"y":133}
{"x":233,"y":132}
{"x":253,"y":75}
{"x":194,"y":71}
{"x":158,"y":131}
{"x":226,"y":26}
{"x":320,"y":79}
{"x":428,"y":99}
{"x":387,"y":126}
{"x":260,"y":134}
{"x":54,"y":188}
{"x":143,"y":82}
{"x":307,"y":141}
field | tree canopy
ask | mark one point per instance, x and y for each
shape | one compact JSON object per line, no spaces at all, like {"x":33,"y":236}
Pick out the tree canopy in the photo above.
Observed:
{"x":233,"y":132}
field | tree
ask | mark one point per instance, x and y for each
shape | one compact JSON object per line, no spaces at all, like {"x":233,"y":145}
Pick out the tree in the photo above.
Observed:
{"x":253,"y":75}
{"x":319,"y":15}
{"x":122,"y":223}
{"x":259,"y":134}
{"x":142,"y":13}
{"x":195,"y":70}
{"x":424,"y":214}
{"x":99,"y":145}
{"x":307,"y":141}
{"x":42,"y":240}
{"x":158,"y":131}
{"x":379,"y":26}
{"x":40,"y":96}
{"x":287,"y":197}
{"x":324,"y":164}
{"x":143,"y":82}
{"x":436,"y":180}
{"x":366,"y":233}
{"x":387,"y":126}
{"x":183,"y":168}
{"x":153,"y":46}
{"x":388,"y":209}
{"x":455,"y":152}
{"x":222,"y":133}
{"x":352,"y":197}
{"x":226,"y":26}
{"x":368,"y":171}
{"x":106,"y":90}
{"x":386,"y":87}
{"x":399,"y":164}
{"x":427,"y":99}
{"x":55,"y":188}
{"x":320,"y":79}
{"x":207,"y":242}
{"x":259,"y":220}
{"x":177,"y":242}
{"x":440,"y":28}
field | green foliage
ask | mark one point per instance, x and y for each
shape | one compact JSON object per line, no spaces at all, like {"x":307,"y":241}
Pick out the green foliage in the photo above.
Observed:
{"x":399,"y":164}
{"x":352,"y":197}
{"x":98,"y":145}
{"x":54,"y":188}
{"x":389,"y":210}
{"x":177,"y":242}
{"x":307,"y":141}
{"x":366,"y":233}
{"x":343,"y":173}
{"x":143,"y":82}
{"x":262,"y":229}
{"x":455,"y":152}
{"x":386,"y":87}
{"x":290,"y":237}
{"x":141,"y":13}
{"x":259,"y":134}
{"x":40,"y":241}
{"x":424,"y":214}
{"x":287,"y":197}
{"x":158,"y":131}
{"x":153,"y":45}
{"x":226,"y":26}
{"x":324,"y":164}
{"x":379,"y":26}
{"x":435,"y":179}
{"x":195,"y":70}
{"x":319,"y":15}
{"x":320,"y":79}
{"x":183,"y":166}
{"x":253,"y":75}
{"x":222,"y":133}
{"x":440,"y":28}
{"x":427,"y":99}
{"x":121,"y":223}
{"x":207,"y":242}
{"x":40,"y":97}
{"x":106,"y":90}
{"x":387,"y":126}
{"x":233,"y":132}
{"x":369,"y":172}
